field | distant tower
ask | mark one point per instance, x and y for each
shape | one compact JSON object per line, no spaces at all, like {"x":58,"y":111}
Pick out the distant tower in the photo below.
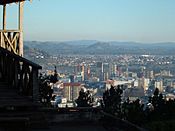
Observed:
{"x":99,"y":70}
{"x":149,"y":74}
{"x":106,"y":77}
{"x":82,"y":72}
{"x":88,"y":72}
{"x":127,"y":72}
{"x":159,"y":85}
{"x":118,"y":71}
{"x":113,"y":70}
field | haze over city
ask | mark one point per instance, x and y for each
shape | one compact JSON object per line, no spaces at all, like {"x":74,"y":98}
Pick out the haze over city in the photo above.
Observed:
{"x":104,"y":65}
{"x":106,"y":20}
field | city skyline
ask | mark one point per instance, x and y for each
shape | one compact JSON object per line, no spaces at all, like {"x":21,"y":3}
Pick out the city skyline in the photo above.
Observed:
{"x":102,"y":81}
{"x":142,"y":21}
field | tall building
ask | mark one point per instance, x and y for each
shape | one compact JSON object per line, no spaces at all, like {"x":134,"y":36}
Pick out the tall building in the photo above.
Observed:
{"x":99,"y":70}
{"x":140,"y":82}
{"x":106,"y":76}
{"x":106,"y":70}
{"x":71,"y":91}
{"x":113,"y":70}
{"x":88,"y":75}
{"x":173,"y":83}
{"x":149,"y":74}
{"x":159,"y":85}
{"x":146,"y":82}
{"x":67,"y":91}
{"x":83,"y":72}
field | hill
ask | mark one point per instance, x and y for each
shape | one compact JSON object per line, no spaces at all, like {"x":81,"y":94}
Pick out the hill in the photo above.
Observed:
{"x":94,"y":47}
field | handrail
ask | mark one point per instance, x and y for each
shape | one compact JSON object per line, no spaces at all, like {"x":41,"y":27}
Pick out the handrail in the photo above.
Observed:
{"x":20,"y":74}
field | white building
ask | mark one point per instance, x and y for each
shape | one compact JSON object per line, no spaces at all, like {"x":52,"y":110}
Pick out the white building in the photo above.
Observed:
{"x":159,"y":85}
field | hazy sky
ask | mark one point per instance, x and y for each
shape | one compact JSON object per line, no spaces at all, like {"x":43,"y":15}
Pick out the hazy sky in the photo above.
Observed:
{"x":126,"y":20}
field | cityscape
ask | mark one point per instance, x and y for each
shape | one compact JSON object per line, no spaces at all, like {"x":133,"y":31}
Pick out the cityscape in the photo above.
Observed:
{"x":139,"y":75}
{"x":87,"y":65}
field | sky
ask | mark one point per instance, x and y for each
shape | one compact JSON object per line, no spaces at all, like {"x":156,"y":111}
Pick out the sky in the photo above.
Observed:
{"x":105,"y":20}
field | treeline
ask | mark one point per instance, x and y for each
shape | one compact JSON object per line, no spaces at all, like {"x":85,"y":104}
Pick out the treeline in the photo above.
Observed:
{"x":153,"y":115}
{"x":157,"y":114}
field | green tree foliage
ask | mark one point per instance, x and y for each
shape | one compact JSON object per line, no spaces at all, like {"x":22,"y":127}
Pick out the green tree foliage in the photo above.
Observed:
{"x":133,"y":111}
{"x":158,"y":111}
{"x":85,"y":99}
{"x":112,"y":100}
{"x":45,"y":88}
{"x":54,"y":78}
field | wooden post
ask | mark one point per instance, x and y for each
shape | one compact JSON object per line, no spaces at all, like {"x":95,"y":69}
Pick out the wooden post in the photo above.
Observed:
{"x":4,"y":17}
{"x":3,"y":26}
{"x":16,"y":71}
{"x":21,"y":6}
{"x":1,"y":40}
{"x":35,"y":85}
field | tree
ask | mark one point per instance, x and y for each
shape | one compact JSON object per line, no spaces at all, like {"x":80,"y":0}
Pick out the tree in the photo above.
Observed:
{"x":155,"y":98}
{"x":85,"y":99}
{"x":112,"y":100}
{"x":54,"y":78}
{"x":45,"y":90}
{"x":135,"y":113}
{"x":159,"y":106}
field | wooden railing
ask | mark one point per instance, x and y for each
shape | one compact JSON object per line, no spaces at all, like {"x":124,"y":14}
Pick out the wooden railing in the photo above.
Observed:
{"x":20,"y":73}
{"x":10,"y":39}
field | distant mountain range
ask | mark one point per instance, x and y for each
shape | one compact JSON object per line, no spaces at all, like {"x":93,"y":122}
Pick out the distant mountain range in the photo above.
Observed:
{"x":93,"y":47}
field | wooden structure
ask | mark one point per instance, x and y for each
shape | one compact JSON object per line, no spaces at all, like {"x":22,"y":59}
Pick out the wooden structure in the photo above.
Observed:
{"x":12,"y":40}
{"x":17,"y":74}
{"x":19,"y":84}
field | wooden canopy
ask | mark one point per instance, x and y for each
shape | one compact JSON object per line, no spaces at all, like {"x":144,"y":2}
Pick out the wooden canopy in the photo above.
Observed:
{"x":3,"y":2}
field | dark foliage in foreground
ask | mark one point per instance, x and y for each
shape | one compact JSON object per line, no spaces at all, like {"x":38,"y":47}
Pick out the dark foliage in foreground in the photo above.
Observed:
{"x":158,"y":109}
{"x":45,"y":88}
{"x":85,"y":99}
{"x":112,"y":100}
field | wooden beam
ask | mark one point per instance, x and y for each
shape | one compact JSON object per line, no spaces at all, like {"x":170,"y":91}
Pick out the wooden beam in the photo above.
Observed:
{"x":4,"y":17}
{"x":21,"y":6}
{"x":6,"y":31}
{"x":10,"y":43}
{"x":2,"y":2}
